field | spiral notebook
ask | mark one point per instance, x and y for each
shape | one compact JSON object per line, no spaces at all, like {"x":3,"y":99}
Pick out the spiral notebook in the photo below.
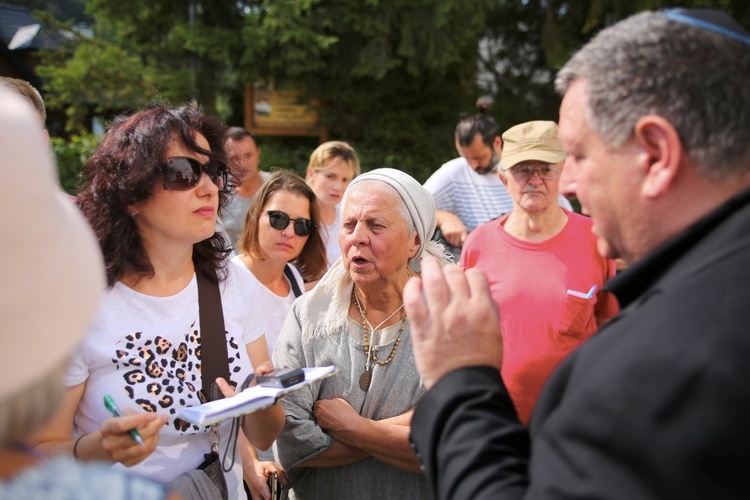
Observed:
{"x":251,"y":399}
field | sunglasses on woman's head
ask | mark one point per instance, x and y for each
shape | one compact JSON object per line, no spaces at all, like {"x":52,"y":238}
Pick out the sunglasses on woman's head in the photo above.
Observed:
{"x":280,"y":220}
{"x":182,"y":173}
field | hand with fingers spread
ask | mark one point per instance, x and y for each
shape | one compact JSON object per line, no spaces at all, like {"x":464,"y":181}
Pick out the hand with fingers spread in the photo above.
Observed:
{"x":455,"y":324}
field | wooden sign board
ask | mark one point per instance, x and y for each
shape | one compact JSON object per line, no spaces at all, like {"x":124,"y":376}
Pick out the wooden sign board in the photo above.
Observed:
{"x":272,"y":111}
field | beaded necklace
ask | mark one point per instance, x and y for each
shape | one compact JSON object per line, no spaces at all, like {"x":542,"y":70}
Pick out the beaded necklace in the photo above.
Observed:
{"x":370,"y":351}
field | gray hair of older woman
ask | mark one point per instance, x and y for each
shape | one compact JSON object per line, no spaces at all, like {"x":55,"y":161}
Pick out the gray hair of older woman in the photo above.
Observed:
{"x":417,"y":208}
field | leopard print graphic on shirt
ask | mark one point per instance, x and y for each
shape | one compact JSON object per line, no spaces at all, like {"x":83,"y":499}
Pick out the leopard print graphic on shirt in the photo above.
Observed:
{"x":158,"y":374}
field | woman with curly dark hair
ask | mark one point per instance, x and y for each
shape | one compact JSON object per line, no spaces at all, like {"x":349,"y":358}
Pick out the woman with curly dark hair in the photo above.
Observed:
{"x":152,"y":193}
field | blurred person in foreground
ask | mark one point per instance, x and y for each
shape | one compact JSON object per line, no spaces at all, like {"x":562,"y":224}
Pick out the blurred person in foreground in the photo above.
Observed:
{"x":46,"y":306}
{"x":545,"y":273}
{"x":31,"y":94}
{"x":655,"y":120}
{"x":567,"y":186}
{"x":279,"y":244}
{"x":243,"y":157}
{"x":152,"y":192}
{"x":347,"y":437}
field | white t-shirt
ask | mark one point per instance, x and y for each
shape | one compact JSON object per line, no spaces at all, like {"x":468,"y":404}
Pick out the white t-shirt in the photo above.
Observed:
{"x":331,"y":238}
{"x":142,"y":350}
{"x":473,"y":198}
{"x":274,"y":307}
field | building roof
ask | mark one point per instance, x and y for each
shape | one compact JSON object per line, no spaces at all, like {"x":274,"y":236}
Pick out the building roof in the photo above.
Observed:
{"x":17,"y":22}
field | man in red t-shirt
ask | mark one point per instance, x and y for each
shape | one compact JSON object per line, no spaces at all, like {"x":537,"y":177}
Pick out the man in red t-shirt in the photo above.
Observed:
{"x":542,"y":265}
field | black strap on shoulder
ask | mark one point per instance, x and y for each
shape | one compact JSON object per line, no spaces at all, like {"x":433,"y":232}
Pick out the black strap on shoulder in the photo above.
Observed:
{"x":214,"y":357}
{"x":290,"y":275}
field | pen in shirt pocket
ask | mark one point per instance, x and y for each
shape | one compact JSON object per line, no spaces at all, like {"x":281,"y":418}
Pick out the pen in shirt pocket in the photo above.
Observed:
{"x":582,"y":295}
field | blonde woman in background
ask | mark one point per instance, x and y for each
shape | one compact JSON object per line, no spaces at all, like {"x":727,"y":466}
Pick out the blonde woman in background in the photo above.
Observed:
{"x":332,"y":167}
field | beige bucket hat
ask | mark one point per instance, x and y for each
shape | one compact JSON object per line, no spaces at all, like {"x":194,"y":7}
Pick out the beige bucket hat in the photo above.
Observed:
{"x":51,"y":269}
{"x":535,"y":140}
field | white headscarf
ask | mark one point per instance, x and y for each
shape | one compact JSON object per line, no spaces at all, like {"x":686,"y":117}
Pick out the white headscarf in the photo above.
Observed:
{"x":420,"y":204}
{"x":325,"y":308}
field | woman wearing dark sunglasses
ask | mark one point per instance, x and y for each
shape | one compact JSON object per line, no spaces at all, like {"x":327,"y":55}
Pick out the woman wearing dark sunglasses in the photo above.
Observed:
{"x":152,"y":193}
{"x":281,"y":235}
{"x":281,"y":227}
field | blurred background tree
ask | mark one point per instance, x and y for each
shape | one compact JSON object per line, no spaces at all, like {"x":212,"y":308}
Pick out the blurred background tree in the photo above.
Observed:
{"x":395,"y":75}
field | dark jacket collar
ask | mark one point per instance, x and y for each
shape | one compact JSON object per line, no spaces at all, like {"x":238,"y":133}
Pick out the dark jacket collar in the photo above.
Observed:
{"x":637,"y":279}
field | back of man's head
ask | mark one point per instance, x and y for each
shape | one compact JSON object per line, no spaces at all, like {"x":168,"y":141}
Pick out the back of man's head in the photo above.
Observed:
{"x":481,"y":123}
{"x":25,"y":89}
{"x":689,"y":66}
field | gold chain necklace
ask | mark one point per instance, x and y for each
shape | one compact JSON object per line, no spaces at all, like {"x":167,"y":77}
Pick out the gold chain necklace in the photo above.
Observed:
{"x":370,"y":351}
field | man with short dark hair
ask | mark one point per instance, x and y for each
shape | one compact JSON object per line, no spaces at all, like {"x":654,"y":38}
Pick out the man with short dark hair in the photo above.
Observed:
{"x":655,"y":120}
{"x":243,"y":154}
{"x":467,"y":191}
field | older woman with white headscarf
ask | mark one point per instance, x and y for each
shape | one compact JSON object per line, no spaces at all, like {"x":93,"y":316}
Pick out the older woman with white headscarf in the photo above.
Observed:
{"x":347,"y":437}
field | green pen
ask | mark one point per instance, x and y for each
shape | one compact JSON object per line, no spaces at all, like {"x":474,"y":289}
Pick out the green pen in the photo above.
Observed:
{"x":110,"y":405}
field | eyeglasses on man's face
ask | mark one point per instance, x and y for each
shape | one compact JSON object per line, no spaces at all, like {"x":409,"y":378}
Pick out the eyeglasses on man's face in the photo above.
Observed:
{"x":525,"y":171}
{"x":280,"y":220}
{"x":182,"y":173}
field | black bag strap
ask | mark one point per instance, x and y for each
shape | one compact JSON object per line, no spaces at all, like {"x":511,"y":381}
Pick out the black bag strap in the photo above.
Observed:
{"x":214,"y":357}
{"x":290,"y":275}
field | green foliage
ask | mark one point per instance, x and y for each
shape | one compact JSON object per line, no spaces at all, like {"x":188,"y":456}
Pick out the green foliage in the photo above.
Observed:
{"x":394,"y":75}
{"x":289,"y":153}
{"x":293,"y":37}
{"x":71,"y":157}
{"x":92,"y":76}
{"x":527,"y":41}
{"x":99,"y":76}
{"x":293,"y":153}
{"x":187,"y":46}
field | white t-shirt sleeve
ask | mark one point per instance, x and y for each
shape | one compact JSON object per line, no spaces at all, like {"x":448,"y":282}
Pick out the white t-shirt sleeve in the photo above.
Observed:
{"x":78,"y":371}
{"x":440,"y":185}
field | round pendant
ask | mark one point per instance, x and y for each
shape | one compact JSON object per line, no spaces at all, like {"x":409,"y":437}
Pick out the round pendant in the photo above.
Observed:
{"x":364,"y":380}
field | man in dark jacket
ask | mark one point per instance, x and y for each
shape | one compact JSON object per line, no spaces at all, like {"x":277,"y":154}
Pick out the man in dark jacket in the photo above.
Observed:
{"x":655,"y":120}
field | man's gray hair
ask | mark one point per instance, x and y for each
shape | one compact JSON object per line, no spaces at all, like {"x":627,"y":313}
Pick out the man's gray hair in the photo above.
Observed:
{"x":696,"y":79}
